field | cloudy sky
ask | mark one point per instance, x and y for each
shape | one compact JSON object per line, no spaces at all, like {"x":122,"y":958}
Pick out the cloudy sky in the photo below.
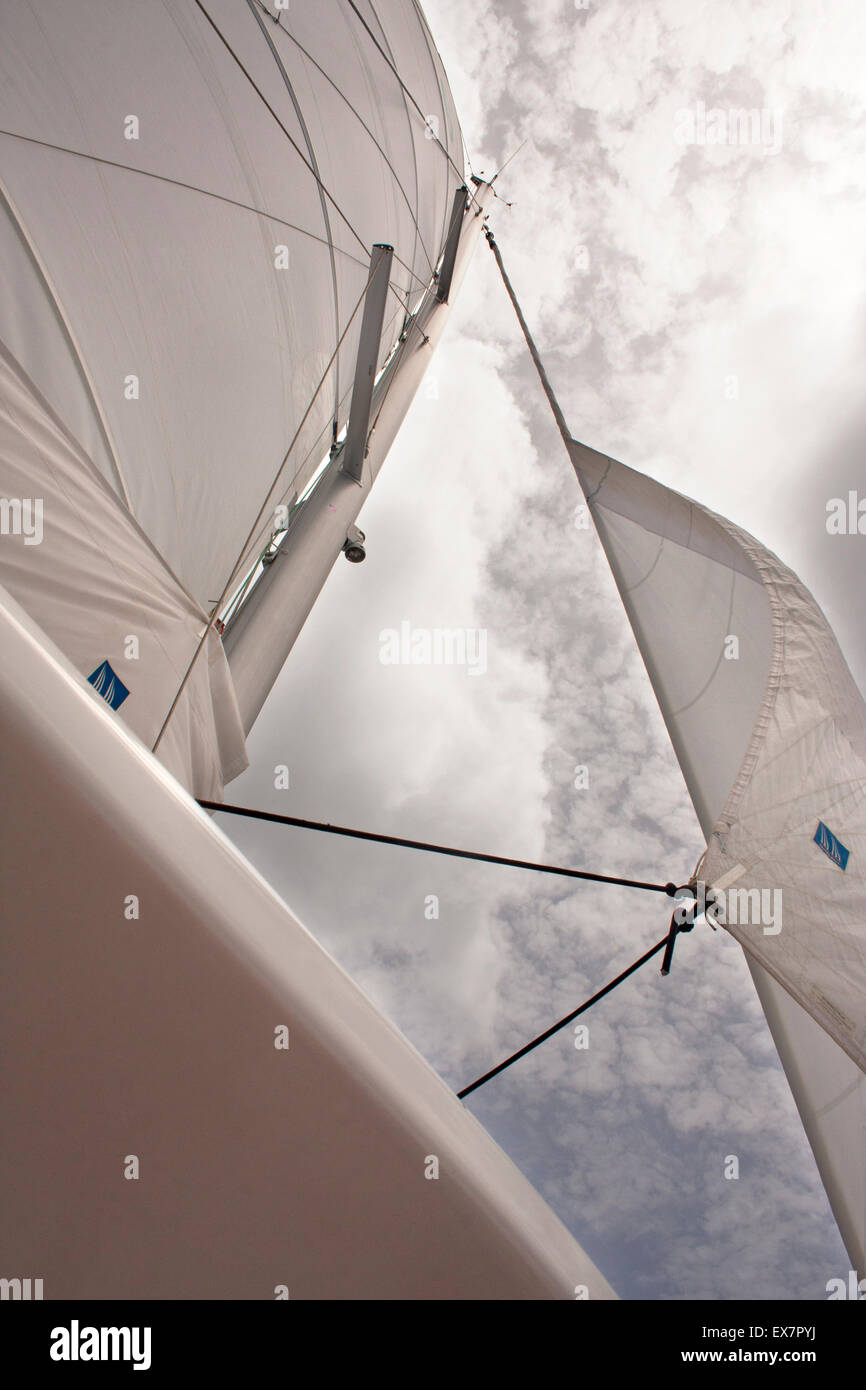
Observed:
{"x":701,"y":311}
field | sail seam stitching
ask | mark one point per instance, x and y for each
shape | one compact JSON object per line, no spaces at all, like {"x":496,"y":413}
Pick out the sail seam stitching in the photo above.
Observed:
{"x":774,"y":677}
{"x":446,"y":153}
{"x":360,"y":119}
{"x":294,"y":144}
{"x":411,"y":146}
{"x":425,"y":35}
{"x":322,"y":200}
{"x":179,"y":183}
{"x":70,"y":338}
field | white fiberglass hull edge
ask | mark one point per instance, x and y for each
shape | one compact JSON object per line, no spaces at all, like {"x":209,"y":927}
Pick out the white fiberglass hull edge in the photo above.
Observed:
{"x":147,"y":1044}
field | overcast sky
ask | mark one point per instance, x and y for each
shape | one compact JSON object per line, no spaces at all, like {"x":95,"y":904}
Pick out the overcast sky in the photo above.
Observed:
{"x":701,"y":311}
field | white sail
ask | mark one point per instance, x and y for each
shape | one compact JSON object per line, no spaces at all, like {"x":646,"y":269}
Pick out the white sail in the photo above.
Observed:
{"x":770,"y":731}
{"x":91,"y":579}
{"x":154,"y":165}
{"x":259,"y":641}
{"x":189,"y":197}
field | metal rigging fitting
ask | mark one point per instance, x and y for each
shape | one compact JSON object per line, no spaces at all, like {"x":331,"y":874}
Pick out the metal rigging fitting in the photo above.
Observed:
{"x":353,"y":546}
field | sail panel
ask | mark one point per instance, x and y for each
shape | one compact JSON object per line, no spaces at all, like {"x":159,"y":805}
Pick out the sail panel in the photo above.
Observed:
{"x":687,"y":587}
{"x":770,"y":732}
{"x":76,"y":559}
{"x":34,"y":331}
{"x":830,"y":1093}
{"x":794,"y":825}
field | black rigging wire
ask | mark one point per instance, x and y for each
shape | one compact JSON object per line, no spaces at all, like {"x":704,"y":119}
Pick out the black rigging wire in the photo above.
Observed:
{"x":687,"y":914}
{"x":669,"y":889}
{"x":569,"y":1018}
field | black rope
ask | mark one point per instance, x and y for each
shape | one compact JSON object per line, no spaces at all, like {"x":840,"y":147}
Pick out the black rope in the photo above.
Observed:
{"x":683,"y":920}
{"x":670,"y":889}
{"x":563,"y":1022}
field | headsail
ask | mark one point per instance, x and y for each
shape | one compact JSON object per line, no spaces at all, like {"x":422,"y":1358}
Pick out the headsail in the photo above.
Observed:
{"x":770,"y":731}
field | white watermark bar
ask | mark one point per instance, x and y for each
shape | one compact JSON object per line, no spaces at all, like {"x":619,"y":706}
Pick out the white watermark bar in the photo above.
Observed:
{"x":726,"y":906}
{"x":22,"y":516}
{"x":440,"y":646}
{"x":756,"y":126}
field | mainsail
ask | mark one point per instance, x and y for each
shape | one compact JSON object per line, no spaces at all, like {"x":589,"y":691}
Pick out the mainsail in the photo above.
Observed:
{"x":190,"y":198}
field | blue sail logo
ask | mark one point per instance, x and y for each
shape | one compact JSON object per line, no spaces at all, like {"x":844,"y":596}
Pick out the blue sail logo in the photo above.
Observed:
{"x":833,"y":848}
{"x":108,"y":684}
